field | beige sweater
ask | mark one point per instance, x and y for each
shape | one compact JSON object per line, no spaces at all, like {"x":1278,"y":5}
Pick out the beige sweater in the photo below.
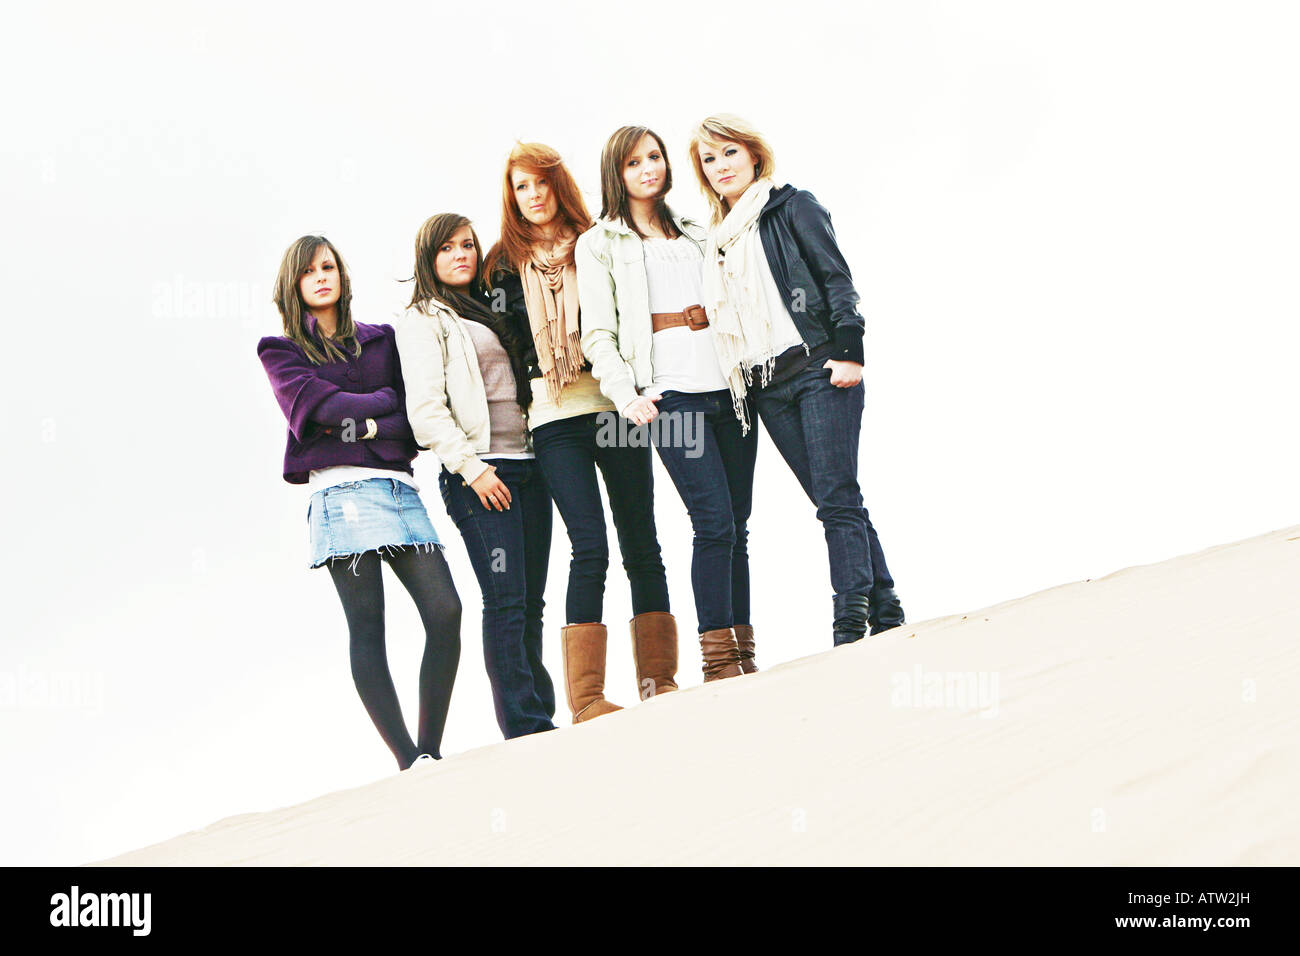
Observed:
{"x":579,"y":397}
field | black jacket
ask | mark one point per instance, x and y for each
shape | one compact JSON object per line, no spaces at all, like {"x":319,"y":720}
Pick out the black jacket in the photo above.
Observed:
{"x":505,"y":291}
{"x":811,"y":273}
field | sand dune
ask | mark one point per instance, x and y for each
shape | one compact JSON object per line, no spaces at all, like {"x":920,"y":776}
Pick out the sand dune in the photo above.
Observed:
{"x":1149,"y":717}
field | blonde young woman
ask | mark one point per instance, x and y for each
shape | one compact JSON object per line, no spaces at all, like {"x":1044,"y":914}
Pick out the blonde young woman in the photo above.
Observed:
{"x":534,"y":279}
{"x":788,"y":333}
{"x":466,"y":395}
{"x":651,"y":347}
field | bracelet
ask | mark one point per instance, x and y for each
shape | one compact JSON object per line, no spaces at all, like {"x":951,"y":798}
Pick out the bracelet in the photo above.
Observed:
{"x":371,"y":429}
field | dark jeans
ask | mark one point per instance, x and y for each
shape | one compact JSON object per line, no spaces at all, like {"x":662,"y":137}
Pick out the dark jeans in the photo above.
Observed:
{"x":712,"y":466}
{"x":815,"y":427}
{"x":569,"y":452}
{"x":509,"y":551}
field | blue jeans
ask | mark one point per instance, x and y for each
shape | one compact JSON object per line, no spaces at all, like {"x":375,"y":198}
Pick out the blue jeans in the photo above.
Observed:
{"x":569,"y":453}
{"x":509,"y":551}
{"x":815,"y":427}
{"x":712,"y":466}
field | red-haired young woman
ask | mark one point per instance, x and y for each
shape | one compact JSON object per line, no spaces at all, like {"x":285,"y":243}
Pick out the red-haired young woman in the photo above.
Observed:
{"x":533,"y":277}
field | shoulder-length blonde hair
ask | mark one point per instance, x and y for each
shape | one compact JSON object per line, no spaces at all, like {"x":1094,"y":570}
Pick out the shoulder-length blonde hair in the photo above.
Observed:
{"x":517,"y":233}
{"x":288,"y":299}
{"x":725,"y":127}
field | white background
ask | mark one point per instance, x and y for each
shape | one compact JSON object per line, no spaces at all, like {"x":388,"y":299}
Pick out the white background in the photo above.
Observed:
{"x":1073,"y":226}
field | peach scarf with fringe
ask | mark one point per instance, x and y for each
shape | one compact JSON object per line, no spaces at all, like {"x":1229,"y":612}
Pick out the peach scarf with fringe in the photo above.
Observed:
{"x":550,"y":281}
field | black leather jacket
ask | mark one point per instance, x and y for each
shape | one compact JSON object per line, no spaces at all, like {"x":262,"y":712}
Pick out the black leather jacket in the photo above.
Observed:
{"x":811,"y":273}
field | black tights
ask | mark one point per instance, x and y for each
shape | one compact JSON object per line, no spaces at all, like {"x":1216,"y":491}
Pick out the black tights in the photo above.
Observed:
{"x":428,"y":579}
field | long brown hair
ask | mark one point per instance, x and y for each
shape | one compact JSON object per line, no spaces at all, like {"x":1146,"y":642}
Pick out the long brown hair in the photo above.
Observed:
{"x":517,"y":233}
{"x":469,"y":303}
{"x":613,"y":189}
{"x":434,"y":234}
{"x":714,"y":130}
{"x":288,"y":299}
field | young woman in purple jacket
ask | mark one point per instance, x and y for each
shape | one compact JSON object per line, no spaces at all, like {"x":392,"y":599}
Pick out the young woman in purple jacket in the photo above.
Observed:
{"x":339,"y":384}
{"x":788,"y":332}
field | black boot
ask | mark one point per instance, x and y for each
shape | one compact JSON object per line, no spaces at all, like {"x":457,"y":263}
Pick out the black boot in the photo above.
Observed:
{"x":884,"y":610}
{"x":850,"y":618}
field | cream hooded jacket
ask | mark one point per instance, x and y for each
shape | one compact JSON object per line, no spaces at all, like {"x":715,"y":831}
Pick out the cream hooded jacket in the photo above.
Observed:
{"x":446,"y":402}
{"x":614,"y":299}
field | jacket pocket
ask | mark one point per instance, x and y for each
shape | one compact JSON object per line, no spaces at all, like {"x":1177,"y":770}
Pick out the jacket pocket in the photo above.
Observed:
{"x":805,"y":295}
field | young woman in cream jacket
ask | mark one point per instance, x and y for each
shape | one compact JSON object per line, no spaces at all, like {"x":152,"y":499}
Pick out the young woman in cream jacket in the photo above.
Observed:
{"x":466,"y":398}
{"x":651,"y":348}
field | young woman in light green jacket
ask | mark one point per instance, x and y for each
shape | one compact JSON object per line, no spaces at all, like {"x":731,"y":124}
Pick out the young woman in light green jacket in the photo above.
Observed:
{"x":534,"y":277}
{"x":651,"y":349}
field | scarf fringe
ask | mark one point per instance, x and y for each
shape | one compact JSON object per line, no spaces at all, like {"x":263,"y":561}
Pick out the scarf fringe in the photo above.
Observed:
{"x":550,"y":294}
{"x":568,"y":366}
{"x":738,"y":307}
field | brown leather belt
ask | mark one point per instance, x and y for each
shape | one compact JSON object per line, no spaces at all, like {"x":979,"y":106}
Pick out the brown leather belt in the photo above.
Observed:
{"x":693,"y":317}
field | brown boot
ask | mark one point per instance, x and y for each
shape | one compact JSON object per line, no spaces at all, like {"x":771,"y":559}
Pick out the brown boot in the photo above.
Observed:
{"x":721,"y":658}
{"x":745,"y":645}
{"x":654,"y":650}
{"x":584,"y":670}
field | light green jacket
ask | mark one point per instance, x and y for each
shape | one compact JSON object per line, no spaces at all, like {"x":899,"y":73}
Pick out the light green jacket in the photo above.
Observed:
{"x":614,"y":300}
{"x":446,"y":402}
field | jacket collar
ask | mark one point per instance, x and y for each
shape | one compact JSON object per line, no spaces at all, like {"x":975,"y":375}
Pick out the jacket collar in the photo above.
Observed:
{"x":364,"y":332}
{"x":434,"y":309}
{"x":685,"y":225}
{"x":778,"y":197}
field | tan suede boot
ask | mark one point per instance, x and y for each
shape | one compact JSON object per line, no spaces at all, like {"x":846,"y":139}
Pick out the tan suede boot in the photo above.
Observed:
{"x":745,"y":645}
{"x":721,"y":658}
{"x":654,"y":650}
{"x":584,"y":670}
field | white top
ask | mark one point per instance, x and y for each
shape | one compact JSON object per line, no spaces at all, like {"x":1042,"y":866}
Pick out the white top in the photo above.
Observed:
{"x":322,"y":478}
{"x":683,"y":359}
{"x":785,"y":334}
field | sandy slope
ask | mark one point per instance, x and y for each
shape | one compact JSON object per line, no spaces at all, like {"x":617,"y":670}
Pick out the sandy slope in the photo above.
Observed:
{"x":1150,"y":717}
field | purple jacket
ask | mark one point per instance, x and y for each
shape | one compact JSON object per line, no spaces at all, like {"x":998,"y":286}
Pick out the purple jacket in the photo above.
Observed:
{"x":316,"y":397}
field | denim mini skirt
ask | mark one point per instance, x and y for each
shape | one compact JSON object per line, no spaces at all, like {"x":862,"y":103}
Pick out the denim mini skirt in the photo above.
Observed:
{"x":347,"y":520}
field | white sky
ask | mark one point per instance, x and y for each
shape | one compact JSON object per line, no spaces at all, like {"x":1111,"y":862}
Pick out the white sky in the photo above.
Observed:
{"x":1073,"y":226}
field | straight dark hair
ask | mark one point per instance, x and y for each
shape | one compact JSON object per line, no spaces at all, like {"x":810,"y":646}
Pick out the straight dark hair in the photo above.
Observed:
{"x":288,"y":299}
{"x":614,"y":204}
{"x":468,"y":303}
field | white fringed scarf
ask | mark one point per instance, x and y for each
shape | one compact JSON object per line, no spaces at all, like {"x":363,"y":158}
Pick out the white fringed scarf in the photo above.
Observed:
{"x":734,"y":297}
